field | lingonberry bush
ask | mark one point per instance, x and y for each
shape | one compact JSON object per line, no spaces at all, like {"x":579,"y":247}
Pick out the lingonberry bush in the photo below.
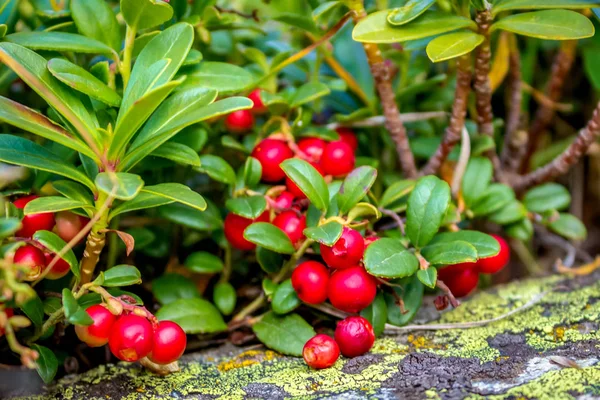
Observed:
{"x":247,"y":163}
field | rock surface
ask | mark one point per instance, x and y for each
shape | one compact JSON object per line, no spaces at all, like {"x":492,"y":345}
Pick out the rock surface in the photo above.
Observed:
{"x":549,"y":351}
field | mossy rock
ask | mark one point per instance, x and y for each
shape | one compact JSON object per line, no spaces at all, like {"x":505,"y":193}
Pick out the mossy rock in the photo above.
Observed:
{"x":517,"y":357}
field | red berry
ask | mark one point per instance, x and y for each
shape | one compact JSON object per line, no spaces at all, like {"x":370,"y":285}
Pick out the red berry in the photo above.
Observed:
{"x":310,"y":280}
{"x":259,"y":107}
{"x":33,"y":258}
{"x":32,"y":223}
{"x":346,"y":252}
{"x":294,"y":189}
{"x":234,"y":227}
{"x":69,"y":224}
{"x":461,"y":279}
{"x":270,"y":153}
{"x":347,"y":136}
{"x":320,"y":352}
{"x":284,"y":200}
{"x":97,"y":334}
{"x":169,"y":343}
{"x":59,"y":269}
{"x":239,"y":121}
{"x":338,"y":158}
{"x":494,"y":264}
{"x":9,"y":313}
{"x":292,"y":224}
{"x":355,"y":336}
{"x":351,"y":289}
{"x":131,"y":338}
{"x":313,"y":147}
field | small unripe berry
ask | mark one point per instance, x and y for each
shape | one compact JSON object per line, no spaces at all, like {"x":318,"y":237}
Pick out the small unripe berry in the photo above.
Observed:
{"x":284,"y":200}
{"x":292,"y":224}
{"x":346,"y":252}
{"x":348,"y":136}
{"x":31,"y":257}
{"x":234,"y":226}
{"x":320,"y":352}
{"x":97,"y":334}
{"x":310,"y":280}
{"x":259,"y":107}
{"x":32,"y":223}
{"x":312,"y":147}
{"x":351,"y":289}
{"x":239,"y":121}
{"x":494,"y":264}
{"x":354,"y":336}
{"x":270,"y":153}
{"x":69,"y":224}
{"x":461,"y":279}
{"x":294,"y":189}
{"x":131,"y":338}
{"x":169,"y":343}
{"x":338,"y":159}
{"x":59,"y":269}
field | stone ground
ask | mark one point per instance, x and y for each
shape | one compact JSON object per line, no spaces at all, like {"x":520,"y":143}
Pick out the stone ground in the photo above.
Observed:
{"x":524,"y":356}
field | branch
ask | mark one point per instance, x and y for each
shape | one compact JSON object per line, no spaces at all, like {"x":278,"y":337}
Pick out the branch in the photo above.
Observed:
{"x":457,"y":118}
{"x":481,"y":84}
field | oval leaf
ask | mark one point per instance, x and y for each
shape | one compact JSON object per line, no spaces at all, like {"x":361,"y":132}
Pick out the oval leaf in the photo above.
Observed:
{"x":449,"y":252}
{"x":547,"y":197}
{"x":453,"y":45}
{"x":285,"y":334}
{"x":427,"y":205}
{"x":224,"y":297}
{"x":121,"y":185}
{"x":217,"y":168}
{"x":308,"y":180}
{"x":326,"y":234}
{"x":270,"y":237}
{"x":171,"y":287}
{"x":569,"y":226}
{"x":387,"y":258}
{"x":548,"y":24}
{"x":411,"y":10}
{"x":193,"y":315}
{"x":55,"y":244}
{"x":285,"y":298}
{"x":122,"y":275}
{"x":178,"y":193}
{"x":224,"y":77}
{"x":250,"y":207}
{"x":376,"y":313}
{"x":476,"y":179}
{"x":355,"y":187}
{"x":46,"y":364}
{"x":204,"y":263}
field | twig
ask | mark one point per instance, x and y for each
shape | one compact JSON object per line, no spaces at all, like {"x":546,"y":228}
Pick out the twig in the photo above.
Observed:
{"x":481,"y":84}
{"x":444,"y":288}
{"x":380,"y":120}
{"x":395,"y":217}
{"x":253,"y":15}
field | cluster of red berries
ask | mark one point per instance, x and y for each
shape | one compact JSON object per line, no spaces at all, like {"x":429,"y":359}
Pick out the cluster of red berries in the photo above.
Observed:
{"x":131,"y":337}
{"x":463,"y":278}
{"x":35,"y":258}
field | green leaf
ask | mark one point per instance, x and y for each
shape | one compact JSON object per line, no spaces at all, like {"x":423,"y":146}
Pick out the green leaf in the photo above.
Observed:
{"x":591,"y":58}
{"x":326,"y":234}
{"x":52,"y":204}
{"x":308,"y":180}
{"x":493,"y":199}
{"x":506,"y":5}
{"x":428,"y":277}
{"x":252,"y":172}
{"x":202,"y":262}
{"x":376,"y":314}
{"x":217,"y":168}
{"x":449,"y":252}
{"x":144,"y":14}
{"x":34,"y":309}
{"x":453,"y":45}
{"x":52,"y":305}
{"x":79,"y":79}
{"x":126,"y":186}
{"x":569,"y":226}
{"x":285,"y":298}
{"x":73,"y":191}
{"x":325,"y":9}
{"x":178,"y":193}
{"x":269,"y":236}
{"x":74,"y":313}
{"x":548,"y":24}
{"x":140,"y":202}
{"x":547,"y":197}
{"x":3,"y":30}
{"x":171,"y":287}
{"x":355,"y":187}
{"x":193,"y":315}
{"x":285,"y":334}
{"x":179,"y":153}
{"x":248,"y":207}
{"x":58,"y":41}
{"x":122,"y":275}
{"x":269,"y":261}
{"x":396,"y":191}
{"x":95,"y":19}
{"x":19,"y":151}
{"x":387,"y":258}
{"x":427,"y":205}
{"x":376,"y":29}
{"x":522,"y":230}
{"x":412,"y":296}
{"x":309,"y":92}
{"x":208,"y":220}
{"x":511,"y":212}
{"x":223,"y":77}
{"x":484,"y":244}
{"x":364,"y":211}
{"x":55,"y":244}
{"x":297,"y":20}
{"x":224,"y":297}
{"x":411,"y":10}
{"x":46,"y":364}
{"x":193,"y":58}
{"x":8,"y":226}
{"x":476,"y":179}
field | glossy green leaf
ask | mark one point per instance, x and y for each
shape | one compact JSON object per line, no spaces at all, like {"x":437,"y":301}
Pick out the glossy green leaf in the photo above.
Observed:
{"x":269,"y":236}
{"x":224,"y":77}
{"x":121,"y":185}
{"x":224,"y":297}
{"x":569,"y":226}
{"x":178,"y":193}
{"x":217,"y":168}
{"x":144,"y":14}
{"x":285,"y":298}
{"x":388,"y":258}
{"x":207,"y":220}
{"x":511,"y":212}
{"x":364,"y":211}
{"x":122,"y":275}
{"x":493,"y":199}
{"x":55,"y":244}
{"x":171,"y":287}
{"x":547,"y":197}
{"x":309,"y":92}
{"x":484,"y":244}
{"x":412,"y":296}
{"x":285,"y":334}
{"x":453,"y":45}
{"x":522,"y":230}
{"x":202,"y":262}
{"x":326,"y":234}
{"x":376,"y":314}
{"x":58,"y":41}
{"x":548,"y":24}
{"x":409,"y":11}
{"x":297,"y":20}
{"x":268,"y":260}
{"x":193,"y":315}
{"x":376,"y":29}
{"x":325,"y":9}
{"x":476,"y":179}
{"x":427,"y":205}
{"x":95,"y":19}
{"x":507,"y":5}
{"x":308,"y":180}
{"x":74,"y":313}
{"x":252,"y":172}
{"x":140,"y":202}
{"x":34,"y":310}
{"x":248,"y":207}
{"x":428,"y":277}
{"x":396,"y":191}
{"x":179,"y":153}
{"x":74,"y":191}
{"x":449,"y":252}
{"x":52,"y":204}
{"x":355,"y":187}
{"x":46,"y":364}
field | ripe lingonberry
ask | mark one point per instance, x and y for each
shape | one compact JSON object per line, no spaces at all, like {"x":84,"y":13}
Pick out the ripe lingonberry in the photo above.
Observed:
{"x":347,"y":136}
{"x":270,"y":153}
{"x":312,"y":147}
{"x":31,"y":257}
{"x":494,"y":264}
{"x":59,"y":269}
{"x":346,"y":252}
{"x":284,"y":200}
{"x":131,"y":338}
{"x":259,"y":107}
{"x":239,"y":121}
{"x":292,"y":224}
{"x":355,"y":336}
{"x":32,"y":223}
{"x":234,"y":227}
{"x":294,"y":189}
{"x":169,"y":343}
{"x":338,"y":158}
{"x":321,"y":351}
{"x":69,"y":224}
{"x":310,"y":280}
{"x":351,"y":289}
{"x":97,"y":334}
{"x":461,"y":279}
